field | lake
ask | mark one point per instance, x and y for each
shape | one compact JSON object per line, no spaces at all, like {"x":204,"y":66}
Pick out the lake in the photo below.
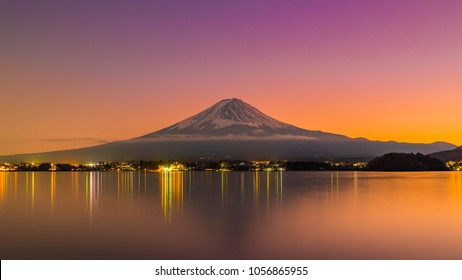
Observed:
{"x":231,"y":215}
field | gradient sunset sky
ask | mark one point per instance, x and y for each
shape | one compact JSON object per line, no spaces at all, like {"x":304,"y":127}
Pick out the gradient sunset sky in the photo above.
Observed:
{"x":79,"y":73}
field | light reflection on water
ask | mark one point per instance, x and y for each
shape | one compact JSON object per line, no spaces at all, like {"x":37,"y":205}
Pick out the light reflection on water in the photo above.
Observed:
{"x":171,"y":189}
{"x":228,"y":215}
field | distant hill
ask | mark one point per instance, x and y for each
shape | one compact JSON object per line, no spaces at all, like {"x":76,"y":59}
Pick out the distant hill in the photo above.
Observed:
{"x":406,"y":162}
{"x":232,"y":129}
{"x":454,"y":155}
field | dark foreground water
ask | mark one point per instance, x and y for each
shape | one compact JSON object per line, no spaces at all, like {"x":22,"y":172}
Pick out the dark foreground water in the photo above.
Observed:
{"x":230,"y":215}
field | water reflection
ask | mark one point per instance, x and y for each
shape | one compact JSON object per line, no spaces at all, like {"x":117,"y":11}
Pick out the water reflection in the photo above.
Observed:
{"x":171,"y":189}
{"x":92,"y":191}
{"x":259,"y":190}
{"x":256,"y":187}
{"x":456,"y":182}
{"x":75,"y":185}
{"x":266,"y":188}
{"x":52,"y":191}
{"x":224,"y":188}
{"x":125,"y":184}
{"x":3,"y":184}
{"x":8,"y":186}
{"x":234,"y":214}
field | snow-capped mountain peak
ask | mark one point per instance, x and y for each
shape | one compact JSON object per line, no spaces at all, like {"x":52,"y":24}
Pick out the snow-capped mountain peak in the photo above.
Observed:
{"x":233,"y":117}
{"x":227,"y":112}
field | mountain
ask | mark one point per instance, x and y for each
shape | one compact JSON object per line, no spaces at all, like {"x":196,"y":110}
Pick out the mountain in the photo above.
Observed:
{"x":232,"y":129}
{"x":235,"y":119}
{"x":454,"y":155}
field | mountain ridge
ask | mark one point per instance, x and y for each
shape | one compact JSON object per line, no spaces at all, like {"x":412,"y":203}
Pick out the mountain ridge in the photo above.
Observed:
{"x":449,"y":155}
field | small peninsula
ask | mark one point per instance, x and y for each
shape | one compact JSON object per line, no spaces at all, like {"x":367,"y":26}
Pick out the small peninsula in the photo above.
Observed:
{"x":406,"y":162}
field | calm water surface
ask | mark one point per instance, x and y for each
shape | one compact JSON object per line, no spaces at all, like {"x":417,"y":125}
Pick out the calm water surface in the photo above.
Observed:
{"x":230,"y":215}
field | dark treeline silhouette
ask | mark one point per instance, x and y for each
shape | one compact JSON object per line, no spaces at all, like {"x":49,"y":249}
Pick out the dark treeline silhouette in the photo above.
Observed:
{"x":37,"y":167}
{"x":307,"y":166}
{"x":406,"y":162}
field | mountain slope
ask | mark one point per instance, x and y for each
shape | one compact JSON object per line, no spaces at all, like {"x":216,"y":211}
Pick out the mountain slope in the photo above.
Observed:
{"x":454,"y":155}
{"x":254,"y":149}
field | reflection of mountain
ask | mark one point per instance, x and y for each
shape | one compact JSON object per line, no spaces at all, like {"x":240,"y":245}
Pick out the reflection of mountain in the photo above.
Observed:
{"x":232,"y":129}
